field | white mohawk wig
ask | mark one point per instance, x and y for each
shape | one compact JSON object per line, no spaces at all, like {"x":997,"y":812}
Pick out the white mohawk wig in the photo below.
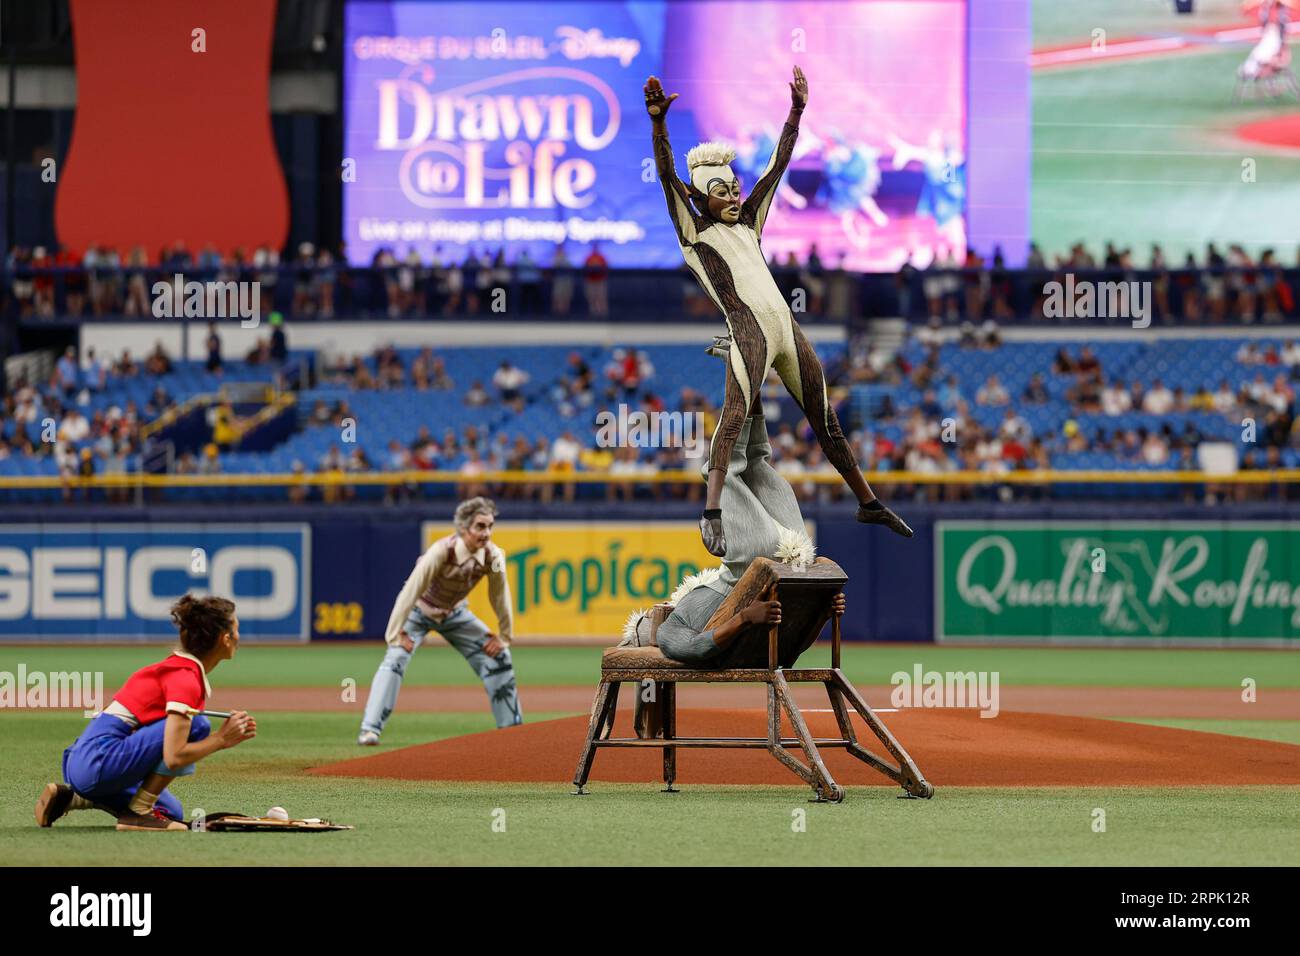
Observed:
{"x":710,"y":154}
{"x":707,"y":162}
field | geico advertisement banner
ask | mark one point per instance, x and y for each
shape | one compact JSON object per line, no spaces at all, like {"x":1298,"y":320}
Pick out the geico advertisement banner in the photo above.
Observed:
{"x":111,"y":581}
{"x":581,"y":579}
{"x":1151,"y":582}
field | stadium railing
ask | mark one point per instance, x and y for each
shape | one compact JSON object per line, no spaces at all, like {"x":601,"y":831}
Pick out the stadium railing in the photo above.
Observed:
{"x":1040,"y":477}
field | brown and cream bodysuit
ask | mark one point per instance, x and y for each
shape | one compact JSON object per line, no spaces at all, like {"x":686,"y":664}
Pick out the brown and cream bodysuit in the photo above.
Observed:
{"x":728,"y":262}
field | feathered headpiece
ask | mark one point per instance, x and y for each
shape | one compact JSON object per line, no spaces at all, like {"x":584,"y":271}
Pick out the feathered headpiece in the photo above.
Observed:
{"x":693,"y":581}
{"x":794,"y":547}
{"x":630,"y":626}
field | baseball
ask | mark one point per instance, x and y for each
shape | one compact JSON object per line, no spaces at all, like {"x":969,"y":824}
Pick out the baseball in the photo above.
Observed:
{"x":277,"y":813}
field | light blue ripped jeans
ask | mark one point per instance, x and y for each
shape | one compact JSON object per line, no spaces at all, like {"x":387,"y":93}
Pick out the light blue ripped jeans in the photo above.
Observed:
{"x":463,"y":631}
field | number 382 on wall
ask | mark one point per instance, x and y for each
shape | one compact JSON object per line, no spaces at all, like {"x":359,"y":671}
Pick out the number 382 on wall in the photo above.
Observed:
{"x":338,"y":618}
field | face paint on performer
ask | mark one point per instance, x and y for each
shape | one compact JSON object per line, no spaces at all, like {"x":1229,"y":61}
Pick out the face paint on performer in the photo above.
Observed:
{"x":715,"y":186}
{"x":724,"y":200}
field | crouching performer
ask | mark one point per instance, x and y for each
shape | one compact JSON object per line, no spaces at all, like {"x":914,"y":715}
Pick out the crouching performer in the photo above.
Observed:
{"x":434,"y":599}
{"x":152,"y":731}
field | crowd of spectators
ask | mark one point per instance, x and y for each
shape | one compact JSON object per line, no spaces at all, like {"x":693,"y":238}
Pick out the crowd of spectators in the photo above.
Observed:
{"x":66,"y":417}
{"x":108,"y":438}
{"x":1220,"y":286}
{"x":576,"y":396}
{"x":938,"y":434}
{"x":966,"y":302}
{"x":1264,"y":390}
{"x":105,"y":441}
{"x":320,"y":284}
{"x":1217,"y":287}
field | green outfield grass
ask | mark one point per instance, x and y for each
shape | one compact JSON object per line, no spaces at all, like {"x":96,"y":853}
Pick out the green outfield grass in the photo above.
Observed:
{"x":406,"y":822}
{"x":324,"y":665}
{"x":1283,"y":731}
{"x":1056,"y":23}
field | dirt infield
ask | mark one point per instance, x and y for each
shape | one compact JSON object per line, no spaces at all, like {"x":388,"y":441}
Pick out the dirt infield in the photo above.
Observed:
{"x":954,"y":747}
{"x":1179,"y":702}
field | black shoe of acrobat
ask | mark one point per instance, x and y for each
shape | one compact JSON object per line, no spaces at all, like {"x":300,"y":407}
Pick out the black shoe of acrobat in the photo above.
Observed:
{"x":876,"y":513}
{"x":715,"y":542}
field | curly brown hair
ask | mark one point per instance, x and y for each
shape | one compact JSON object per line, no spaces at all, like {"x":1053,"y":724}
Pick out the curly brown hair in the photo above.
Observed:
{"x":201,"y":621}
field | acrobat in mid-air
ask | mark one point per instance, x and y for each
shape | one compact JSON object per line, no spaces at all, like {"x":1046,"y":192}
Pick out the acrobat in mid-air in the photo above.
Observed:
{"x":719,"y":237}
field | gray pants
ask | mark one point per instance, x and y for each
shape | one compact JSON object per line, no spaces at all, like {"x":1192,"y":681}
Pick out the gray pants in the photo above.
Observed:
{"x":463,"y":631}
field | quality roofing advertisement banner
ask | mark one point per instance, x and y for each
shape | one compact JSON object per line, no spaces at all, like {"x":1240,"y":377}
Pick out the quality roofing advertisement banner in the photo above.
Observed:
{"x":1142,"y":583}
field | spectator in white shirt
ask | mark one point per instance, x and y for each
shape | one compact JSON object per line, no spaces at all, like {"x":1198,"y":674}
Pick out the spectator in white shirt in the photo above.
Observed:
{"x":1291,"y":353}
{"x":74,"y":428}
{"x":1015,"y":428}
{"x":1158,"y":401}
{"x":1224,"y":400}
{"x":27,"y":410}
{"x":1115,"y":399}
{"x":992,"y":393}
{"x":565,"y":452}
{"x":1154,"y":450}
{"x":1259,"y":390}
{"x":510,"y":380}
{"x":1281,"y":394}
{"x":988,"y":451}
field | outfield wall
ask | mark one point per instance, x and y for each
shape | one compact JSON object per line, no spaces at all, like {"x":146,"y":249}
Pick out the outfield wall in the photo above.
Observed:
{"x":1146,"y":574}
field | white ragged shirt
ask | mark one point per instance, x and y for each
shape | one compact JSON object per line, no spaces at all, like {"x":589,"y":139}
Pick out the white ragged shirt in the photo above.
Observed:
{"x":443,"y":579}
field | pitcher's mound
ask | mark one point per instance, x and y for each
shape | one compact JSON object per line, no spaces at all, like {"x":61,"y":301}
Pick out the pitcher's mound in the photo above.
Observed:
{"x":952,"y":747}
{"x":1283,"y":131}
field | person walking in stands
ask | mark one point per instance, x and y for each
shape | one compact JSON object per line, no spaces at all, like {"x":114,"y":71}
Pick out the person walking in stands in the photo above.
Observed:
{"x":596,"y":281}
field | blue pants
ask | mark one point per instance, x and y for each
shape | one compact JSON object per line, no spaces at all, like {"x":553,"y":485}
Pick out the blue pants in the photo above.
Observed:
{"x":463,"y":631}
{"x":108,"y":762}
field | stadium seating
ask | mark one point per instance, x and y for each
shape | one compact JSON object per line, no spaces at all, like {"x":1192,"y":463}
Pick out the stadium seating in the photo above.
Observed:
{"x":397,"y":414}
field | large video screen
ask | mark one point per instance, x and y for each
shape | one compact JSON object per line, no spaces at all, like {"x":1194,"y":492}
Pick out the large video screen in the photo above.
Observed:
{"x":522,"y":125}
{"x":1153,"y":126}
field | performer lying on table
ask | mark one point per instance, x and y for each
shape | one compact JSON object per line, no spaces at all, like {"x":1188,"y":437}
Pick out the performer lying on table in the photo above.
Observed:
{"x":762,"y":519}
